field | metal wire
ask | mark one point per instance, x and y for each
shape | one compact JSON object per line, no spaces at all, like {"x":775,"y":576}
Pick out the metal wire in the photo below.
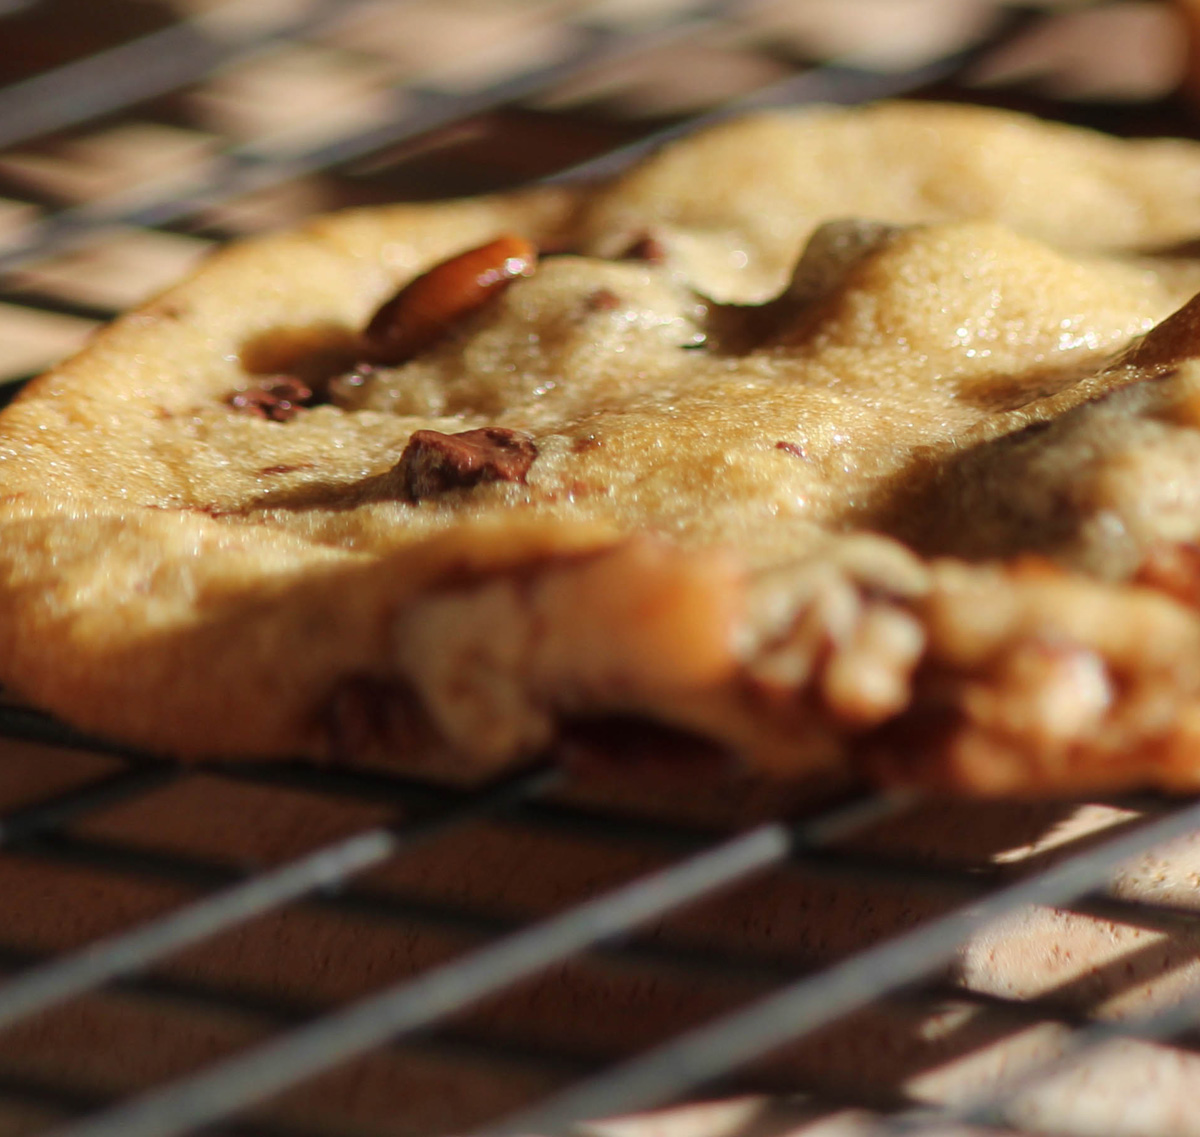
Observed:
{"x":135,"y":71}
{"x":158,"y":991}
{"x":62,"y":809}
{"x":437,"y":994}
{"x":812,"y":1003}
{"x":132,"y":951}
{"x":832,"y":83}
{"x":248,"y":168}
{"x":992,"y":1110}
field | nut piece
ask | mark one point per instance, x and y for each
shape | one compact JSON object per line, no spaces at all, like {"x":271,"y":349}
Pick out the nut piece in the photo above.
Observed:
{"x":424,"y":310}
{"x":277,"y":397}
{"x":1173,"y":569}
{"x":433,"y":462}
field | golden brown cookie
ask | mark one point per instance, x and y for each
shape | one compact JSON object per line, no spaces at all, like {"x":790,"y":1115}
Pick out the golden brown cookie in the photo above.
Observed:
{"x":836,"y":436}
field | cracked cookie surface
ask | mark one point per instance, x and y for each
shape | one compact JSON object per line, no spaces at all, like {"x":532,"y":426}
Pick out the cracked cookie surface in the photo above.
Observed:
{"x":759,"y":449}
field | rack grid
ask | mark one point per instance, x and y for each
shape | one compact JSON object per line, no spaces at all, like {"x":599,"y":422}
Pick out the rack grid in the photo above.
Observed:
{"x":283,"y":950}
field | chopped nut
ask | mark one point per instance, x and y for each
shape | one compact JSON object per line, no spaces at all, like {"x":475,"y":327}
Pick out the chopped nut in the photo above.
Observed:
{"x":869,"y":675}
{"x":1173,"y":569}
{"x":426,"y":308}
{"x":1044,"y":696}
{"x":277,"y":397}
{"x":433,"y":462}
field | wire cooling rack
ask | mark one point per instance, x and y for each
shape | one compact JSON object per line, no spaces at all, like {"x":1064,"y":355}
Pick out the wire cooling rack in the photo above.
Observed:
{"x":289,"y":951}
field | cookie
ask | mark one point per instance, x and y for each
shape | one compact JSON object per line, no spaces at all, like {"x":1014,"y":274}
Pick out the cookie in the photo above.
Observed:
{"x":836,"y":439}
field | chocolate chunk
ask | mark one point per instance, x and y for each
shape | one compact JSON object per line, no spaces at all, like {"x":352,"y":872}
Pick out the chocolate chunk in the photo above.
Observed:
{"x":277,"y":397}
{"x":603,"y":300}
{"x":634,"y":742}
{"x":646,"y":248}
{"x":433,"y":462}
{"x":425,"y":309}
{"x":372,"y":718}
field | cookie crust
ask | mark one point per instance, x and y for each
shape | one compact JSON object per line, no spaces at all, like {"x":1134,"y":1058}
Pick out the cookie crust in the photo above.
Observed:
{"x":877,"y":461}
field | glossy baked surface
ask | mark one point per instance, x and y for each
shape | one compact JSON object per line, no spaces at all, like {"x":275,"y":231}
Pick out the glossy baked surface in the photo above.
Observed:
{"x":761,"y":379}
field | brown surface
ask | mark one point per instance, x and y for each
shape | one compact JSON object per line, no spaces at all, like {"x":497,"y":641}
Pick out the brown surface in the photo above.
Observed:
{"x":932,"y":1048}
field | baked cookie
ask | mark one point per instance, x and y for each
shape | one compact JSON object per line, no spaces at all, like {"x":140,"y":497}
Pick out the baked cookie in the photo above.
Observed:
{"x":837,"y":436}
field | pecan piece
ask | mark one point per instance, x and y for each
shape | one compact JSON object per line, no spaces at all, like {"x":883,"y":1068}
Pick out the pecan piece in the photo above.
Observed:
{"x":433,"y":462}
{"x":1173,"y":569}
{"x":276,"y":397}
{"x":426,"y":308}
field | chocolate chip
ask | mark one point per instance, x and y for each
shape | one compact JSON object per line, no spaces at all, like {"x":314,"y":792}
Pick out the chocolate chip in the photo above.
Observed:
{"x":792,"y":448}
{"x":646,"y":248}
{"x":603,"y":300}
{"x":631,"y":742}
{"x":276,"y":397}
{"x":433,"y":462}
{"x":558,"y":248}
{"x":371,"y":718}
